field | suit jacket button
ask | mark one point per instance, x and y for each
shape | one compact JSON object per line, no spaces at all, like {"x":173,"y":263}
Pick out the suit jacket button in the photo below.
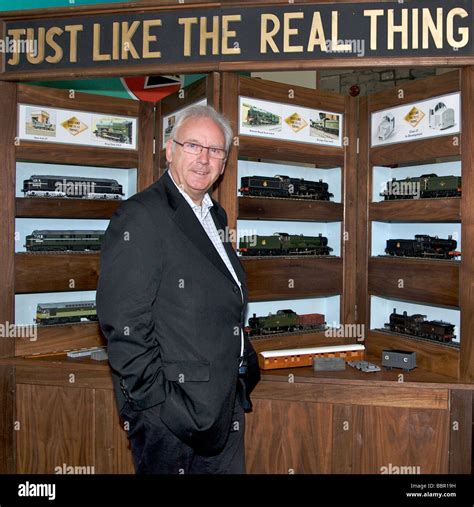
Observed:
{"x":236,"y":289}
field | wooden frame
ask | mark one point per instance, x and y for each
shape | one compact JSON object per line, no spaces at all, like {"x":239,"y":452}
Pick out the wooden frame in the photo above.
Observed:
{"x":18,"y":274}
{"x":433,"y":282}
{"x":268,"y":278}
{"x":352,"y":274}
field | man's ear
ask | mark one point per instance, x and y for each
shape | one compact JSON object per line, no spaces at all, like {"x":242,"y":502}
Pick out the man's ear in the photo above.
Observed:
{"x":169,"y":150}
{"x":223,"y":167}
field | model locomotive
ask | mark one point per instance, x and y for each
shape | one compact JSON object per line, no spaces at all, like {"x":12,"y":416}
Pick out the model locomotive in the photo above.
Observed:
{"x":282,"y":243}
{"x":416,"y":325}
{"x":114,"y":129}
{"x":256,"y":116}
{"x":72,"y":186}
{"x":284,"y":321}
{"x":423,"y":246}
{"x":63,"y":241}
{"x":425,"y":186}
{"x":284,"y":186}
{"x":65,"y":313}
{"x":326,"y":124}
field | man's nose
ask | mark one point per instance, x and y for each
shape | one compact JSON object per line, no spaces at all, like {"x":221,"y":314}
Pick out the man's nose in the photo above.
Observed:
{"x":204,"y":155}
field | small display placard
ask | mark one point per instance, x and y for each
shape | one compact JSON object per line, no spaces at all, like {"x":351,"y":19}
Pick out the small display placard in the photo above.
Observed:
{"x":55,"y":125}
{"x":288,"y":122}
{"x":435,"y":117}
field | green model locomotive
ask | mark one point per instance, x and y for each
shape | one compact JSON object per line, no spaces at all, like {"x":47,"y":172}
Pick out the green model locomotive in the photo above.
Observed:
{"x":64,"y":241}
{"x":282,"y":243}
{"x":256,"y":116}
{"x":425,"y":186}
{"x":65,"y":313}
{"x":115,"y":129}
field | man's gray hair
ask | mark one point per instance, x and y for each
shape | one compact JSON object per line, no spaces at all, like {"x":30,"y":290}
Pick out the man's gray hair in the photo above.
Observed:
{"x":204,"y":112}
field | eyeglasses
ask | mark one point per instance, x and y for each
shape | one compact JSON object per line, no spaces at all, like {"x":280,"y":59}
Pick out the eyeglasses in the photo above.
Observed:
{"x":196,"y":149}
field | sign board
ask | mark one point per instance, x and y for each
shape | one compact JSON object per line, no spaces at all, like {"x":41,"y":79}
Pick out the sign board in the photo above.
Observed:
{"x":241,"y":34}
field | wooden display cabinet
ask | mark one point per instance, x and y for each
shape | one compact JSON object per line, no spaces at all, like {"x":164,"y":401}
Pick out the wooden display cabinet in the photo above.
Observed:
{"x":61,"y":413}
{"x":431,"y":282}
{"x":302,"y":422}
{"x":316,"y":276}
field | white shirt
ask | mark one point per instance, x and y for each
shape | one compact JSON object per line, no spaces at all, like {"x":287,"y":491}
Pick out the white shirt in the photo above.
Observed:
{"x":203,"y":214}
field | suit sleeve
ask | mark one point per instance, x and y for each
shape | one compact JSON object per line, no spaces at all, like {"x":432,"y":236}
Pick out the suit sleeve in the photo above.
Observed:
{"x":130,"y":272}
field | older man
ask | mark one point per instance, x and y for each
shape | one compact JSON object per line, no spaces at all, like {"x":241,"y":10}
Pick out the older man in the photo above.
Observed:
{"x":171,"y":301}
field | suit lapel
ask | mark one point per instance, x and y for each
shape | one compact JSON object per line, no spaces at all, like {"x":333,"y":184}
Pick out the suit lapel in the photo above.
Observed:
{"x":228,"y":248}
{"x":189,"y":224}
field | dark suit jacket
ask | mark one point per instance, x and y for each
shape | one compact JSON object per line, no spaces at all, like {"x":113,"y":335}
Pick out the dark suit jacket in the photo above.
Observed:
{"x":172,"y":315}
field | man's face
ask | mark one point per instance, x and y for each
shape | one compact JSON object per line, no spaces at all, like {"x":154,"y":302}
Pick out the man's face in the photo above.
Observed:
{"x":196,"y":173}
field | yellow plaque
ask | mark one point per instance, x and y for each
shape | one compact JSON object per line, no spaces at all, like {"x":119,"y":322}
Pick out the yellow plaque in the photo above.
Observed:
{"x":74,"y":126}
{"x":414,"y":116}
{"x":296,"y":122}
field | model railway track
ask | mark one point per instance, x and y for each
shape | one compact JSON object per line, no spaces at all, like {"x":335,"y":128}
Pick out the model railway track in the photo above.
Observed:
{"x":453,"y":345}
{"x":419,"y":259}
{"x":299,"y":198}
{"x":299,"y":332}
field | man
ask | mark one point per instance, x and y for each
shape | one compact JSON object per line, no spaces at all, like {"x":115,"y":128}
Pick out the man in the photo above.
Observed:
{"x":171,"y":301}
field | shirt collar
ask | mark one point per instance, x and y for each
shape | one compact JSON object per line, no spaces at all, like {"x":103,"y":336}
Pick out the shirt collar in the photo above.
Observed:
{"x":206,"y":200}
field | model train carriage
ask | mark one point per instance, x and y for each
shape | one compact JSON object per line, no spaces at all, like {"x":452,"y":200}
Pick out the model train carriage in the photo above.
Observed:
{"x":425,"y":186}
{"x":282,"y":243}
{"x":416,"y":325}
{"x":423,"y":246}
{"x":63,"y":241}
{"x":283,"y":186}
{"x":115,"y":130}
{"x":65,"y":313}
{"x":284,"y":321}
{"x":72,"y":186}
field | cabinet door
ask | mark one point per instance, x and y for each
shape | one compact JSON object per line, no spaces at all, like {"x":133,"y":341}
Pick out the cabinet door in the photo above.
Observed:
{"x":69,"y":430}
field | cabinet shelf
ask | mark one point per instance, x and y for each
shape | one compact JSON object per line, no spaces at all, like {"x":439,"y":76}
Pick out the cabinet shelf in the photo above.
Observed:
{"x":268,"y":278}
{"x":267,"y":208}
{"x":290,"y":151}
{"x":64,"y":208}
{"x":416,"y":210}
{"x":52,"y":272}
{"x":297,"y":340}
{"x":430,"y":356}
{"x":61,"y":338}
{"x":428,"y":281}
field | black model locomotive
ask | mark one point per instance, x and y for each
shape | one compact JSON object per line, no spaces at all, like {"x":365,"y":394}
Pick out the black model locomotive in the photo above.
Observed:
{"x":423,"y":246}
{"x":72,"y":187}
{"x":284,"y":186}
{"x":416,"y":325}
